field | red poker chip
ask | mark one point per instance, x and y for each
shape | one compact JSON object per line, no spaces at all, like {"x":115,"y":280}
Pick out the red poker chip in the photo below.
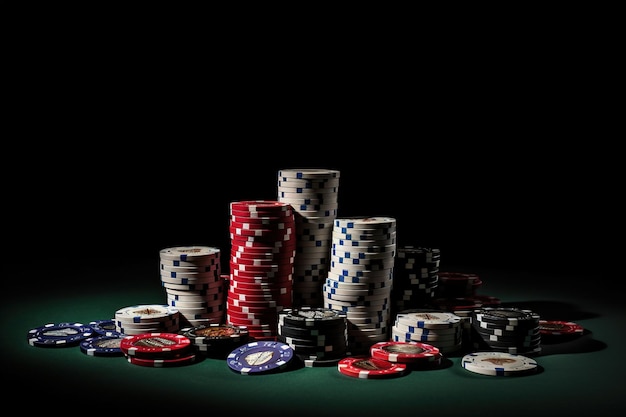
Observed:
{"x":156,"y":345}
{"x":282,"y":299}
{"x":261,"y":259}
{"x":559,"y":328}
{"x":404,"y":351}
{"x":256,"y":304}
{"x":266,"y":317}
{"x":271,"y":291}
{"x":162,"y":363}
{"x":257,"y":205}
{"x":232,"y":308}
{"x":276,"y":225}
{"x":236,"y":218}
{"x":367,"y":367}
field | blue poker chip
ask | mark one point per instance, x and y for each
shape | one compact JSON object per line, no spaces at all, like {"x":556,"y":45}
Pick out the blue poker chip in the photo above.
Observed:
{"x":260,"y":357}
{"x":59,"y":334}
{"x":105,"y":328}
{"x":102,"y":346}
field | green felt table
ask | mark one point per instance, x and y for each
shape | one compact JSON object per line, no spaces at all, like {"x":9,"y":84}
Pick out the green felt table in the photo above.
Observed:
{"x":578,"y":377}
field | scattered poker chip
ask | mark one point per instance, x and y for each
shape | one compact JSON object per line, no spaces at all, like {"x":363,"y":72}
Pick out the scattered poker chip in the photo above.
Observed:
{"x":404,"y":351}
{"x":367,"y":367}
{"x":156,"y":345}
{"x":260,"y":357}
{"x":102,"y":346}
{"x":499,"y":364}
{"x":559,"y":328}
{"x":59,"y":334}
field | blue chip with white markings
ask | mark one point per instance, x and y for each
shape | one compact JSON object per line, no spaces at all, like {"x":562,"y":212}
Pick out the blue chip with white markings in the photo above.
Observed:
{"x":260,"y":357}
{"x":102,"y":346}
{"x":59,"y":334}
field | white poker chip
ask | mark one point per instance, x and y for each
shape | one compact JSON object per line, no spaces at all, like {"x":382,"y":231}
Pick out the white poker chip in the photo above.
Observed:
{"x":498,"y":363}
{"x":429,"y":319}
{"x":146,"y":313}
{"x":189,"y":253}
{"x":365,"y":222}
{"x":307,"y":173}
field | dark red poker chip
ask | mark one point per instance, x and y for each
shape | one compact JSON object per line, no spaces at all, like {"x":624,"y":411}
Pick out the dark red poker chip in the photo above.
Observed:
{"x":367,"y":367}
{"x":559,"y":328}
{"x":404,"y":351}
{"x":156,"y":345}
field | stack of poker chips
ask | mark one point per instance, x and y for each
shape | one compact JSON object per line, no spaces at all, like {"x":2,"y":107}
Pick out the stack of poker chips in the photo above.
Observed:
{"x":415,"y":277}
{"x":147,"y":318}
{"x":194,"y":285}
{"x":438,"y":328}
{"x":312,"y":193}
{"x":360,"y":278}
{"x":317,"y":335}
{"x":263,"y":245}
{"x":506,"y":329}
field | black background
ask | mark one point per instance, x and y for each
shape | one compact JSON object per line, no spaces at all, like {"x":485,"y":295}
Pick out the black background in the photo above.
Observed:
{"x":498,"y":150}
{"x":525,"y":210}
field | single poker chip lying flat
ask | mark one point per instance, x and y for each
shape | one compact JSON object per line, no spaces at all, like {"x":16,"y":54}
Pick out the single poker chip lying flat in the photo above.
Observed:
{"x":559,"y":328}
{"x":260,"y":357}
{"x":499,"y":364}
{"x":59,"y":334}
{"x":156,"y":345}
{"x":102,"y":346}
{"x":404,"y":351}
{"x":367,"y":367}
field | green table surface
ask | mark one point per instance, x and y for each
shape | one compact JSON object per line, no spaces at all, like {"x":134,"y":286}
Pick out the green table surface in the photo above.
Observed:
{"x":580,"y":377}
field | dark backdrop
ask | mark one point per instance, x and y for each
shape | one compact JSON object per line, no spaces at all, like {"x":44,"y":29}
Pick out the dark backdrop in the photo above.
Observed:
{"x":526,"y":208}
{"x":498,"y":151}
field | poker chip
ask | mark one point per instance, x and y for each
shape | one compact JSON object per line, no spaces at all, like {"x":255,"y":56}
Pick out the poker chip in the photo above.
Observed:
{"x":59,"y":334}
{"x":499,"y":364}
{"x":367,"y":367}
{"x":156,"y":345}
{"x":260,"y":357}
{"x":429,"y":320}
{"x":216,"y":339}
{"x":559,"y":328}
{"x":404,"y":351}
{"x":105,"y":327}
{"x":102,"y":346}
{"x":162,"y":363}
